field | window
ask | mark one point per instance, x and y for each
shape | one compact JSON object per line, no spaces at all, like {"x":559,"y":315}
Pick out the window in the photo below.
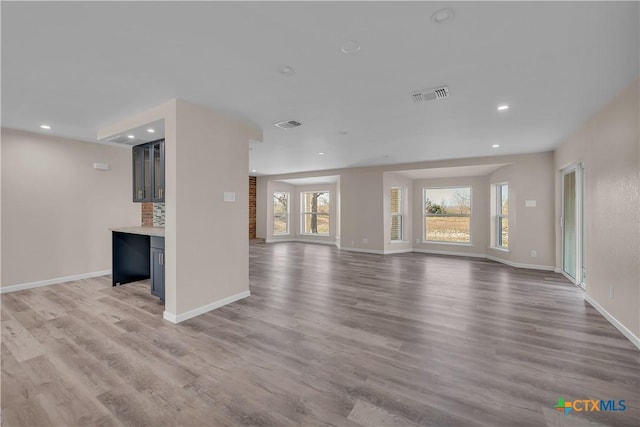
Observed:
{"x":315,"y":213}
{"x":502,"y":215}
{"x":447,"y":214}
{"x":397,"y":213}
{"x":280,"y":213}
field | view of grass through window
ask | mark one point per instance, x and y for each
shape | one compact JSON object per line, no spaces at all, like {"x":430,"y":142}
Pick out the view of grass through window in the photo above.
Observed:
{"x":280,"y":213}
{"x":447,"y":214}
{"x":315,"y":216}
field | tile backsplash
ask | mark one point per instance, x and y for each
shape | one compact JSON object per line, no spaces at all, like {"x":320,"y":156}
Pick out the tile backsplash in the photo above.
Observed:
{"x":152,"y":214}
{"x":158,"y":214}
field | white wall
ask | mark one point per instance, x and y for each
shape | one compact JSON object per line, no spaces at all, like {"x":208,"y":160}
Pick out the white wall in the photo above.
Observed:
{"x":57,"y":209}
{"x":609,"y":146}
{"x":531,"y":177}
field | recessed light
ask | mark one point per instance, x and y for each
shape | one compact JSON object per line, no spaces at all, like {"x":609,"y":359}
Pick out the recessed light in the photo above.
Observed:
{"x":130,"y":136}
{"x":253,"y":170}
{"x":350,"y":47}
{"x":442,"y":15}
{"x":495,"y":146}
{"x":320,"y":153}
{"x":343,"y":132}
{"x":47,"y":127}
{"x":286,"y":70}
{"x":503,"y":107}
{"x":151,"y":130}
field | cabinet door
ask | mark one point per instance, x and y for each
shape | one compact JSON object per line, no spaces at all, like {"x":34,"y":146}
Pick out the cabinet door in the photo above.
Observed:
{"x":147,"y":169}
{"x":157,"y":273}
{"x":138,"y":174}
{"x":158,"y":171}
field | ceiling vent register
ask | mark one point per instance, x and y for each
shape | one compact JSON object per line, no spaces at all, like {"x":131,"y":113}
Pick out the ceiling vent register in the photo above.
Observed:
{"x":288,"y":124}
{"x":430,"y":94}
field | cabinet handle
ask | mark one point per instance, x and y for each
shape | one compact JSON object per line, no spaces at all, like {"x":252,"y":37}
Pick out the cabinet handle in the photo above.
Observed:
{"x":161,"y":193}
{"x":140,"y":194}
{"x":161,"y":258}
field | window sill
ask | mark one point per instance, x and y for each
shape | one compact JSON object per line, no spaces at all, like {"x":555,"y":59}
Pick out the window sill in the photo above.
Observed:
{"x":396,"y":242}
{"x":314,"y":235}
{"x":281,"y":234}
{"x":434,"y":242}
{"x":496,"y":248}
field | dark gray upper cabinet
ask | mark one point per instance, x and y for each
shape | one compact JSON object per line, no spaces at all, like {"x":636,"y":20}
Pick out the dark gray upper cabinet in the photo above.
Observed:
{"x":148,"y":172}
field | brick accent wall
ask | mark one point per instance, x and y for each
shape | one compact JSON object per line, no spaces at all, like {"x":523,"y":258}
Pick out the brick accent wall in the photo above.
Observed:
{"x":147,"y":214}
{"x":252,"y":207}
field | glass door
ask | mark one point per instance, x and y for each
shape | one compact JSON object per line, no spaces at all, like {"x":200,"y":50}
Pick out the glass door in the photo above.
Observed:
{"x":573,"y":229}
{"x":569,"y":224}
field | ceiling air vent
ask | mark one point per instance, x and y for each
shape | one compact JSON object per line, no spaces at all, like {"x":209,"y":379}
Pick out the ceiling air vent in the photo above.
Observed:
{"x":288,"y":125}
{"x":430,"y":94}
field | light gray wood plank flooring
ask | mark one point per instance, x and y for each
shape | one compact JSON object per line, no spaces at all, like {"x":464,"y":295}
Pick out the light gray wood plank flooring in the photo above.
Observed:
{"x":326,"y":338}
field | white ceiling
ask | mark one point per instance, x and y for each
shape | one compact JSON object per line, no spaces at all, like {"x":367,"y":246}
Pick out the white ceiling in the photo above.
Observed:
{"x":314,"y":180}
{"x":80,"y":66}
{"x":450,"y":172}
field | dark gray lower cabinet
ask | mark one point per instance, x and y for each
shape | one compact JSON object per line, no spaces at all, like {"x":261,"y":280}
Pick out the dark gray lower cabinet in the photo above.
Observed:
{"x":157,"y":267}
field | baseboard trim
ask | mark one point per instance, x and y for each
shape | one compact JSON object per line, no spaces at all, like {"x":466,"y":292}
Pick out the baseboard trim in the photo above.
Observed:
{"x":321,"y":242}
{"x":56,"y":281}
{"x":435,"y":252}
{"x":177,"y":318}
{"x":364,"y":251}
{"x":519,"y":265}
{"x":397,"y":251}
{"x":619,"y":326}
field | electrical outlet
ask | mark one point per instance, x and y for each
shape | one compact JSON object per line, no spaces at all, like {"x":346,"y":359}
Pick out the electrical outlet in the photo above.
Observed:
{"x":353,"y":244}
{"x":417,"y":241}
{"x":365,"y":241}
{"x":610,"y":292}
{"x":534,"y":254}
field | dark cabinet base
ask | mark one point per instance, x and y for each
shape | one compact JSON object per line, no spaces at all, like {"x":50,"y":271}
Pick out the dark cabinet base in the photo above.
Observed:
{"x":138,"y":257}
{"x":130,"y":258}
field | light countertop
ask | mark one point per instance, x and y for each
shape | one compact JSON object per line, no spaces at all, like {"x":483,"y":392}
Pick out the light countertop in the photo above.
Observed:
{"x":146,"y":231}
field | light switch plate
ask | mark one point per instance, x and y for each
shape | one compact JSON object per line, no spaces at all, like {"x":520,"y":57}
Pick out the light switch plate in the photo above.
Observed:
{"x":229,"y":196}
{"x":530,"y":203}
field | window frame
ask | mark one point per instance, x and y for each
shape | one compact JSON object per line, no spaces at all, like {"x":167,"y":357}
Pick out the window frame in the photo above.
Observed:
{"x":287,"y":214}
{"x":499,"y":216}
{"x":425,"y":216}
{"x":400,"y":214}
{"x":303,"y":213}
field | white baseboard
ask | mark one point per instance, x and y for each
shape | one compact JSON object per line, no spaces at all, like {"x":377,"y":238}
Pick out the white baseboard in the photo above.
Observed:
{"x":619,"y":326}
{"x":177,"y":318}
{"x":57,"y":280}
{"x":519,"y":265}
{"x":397,"y":251}
{"x":365,"y":251}
{"x":321,"y":242}
{"x":430,"y":251}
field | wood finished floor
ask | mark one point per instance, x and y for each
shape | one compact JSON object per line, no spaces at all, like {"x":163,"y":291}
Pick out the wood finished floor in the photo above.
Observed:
{"x":326,"y":338}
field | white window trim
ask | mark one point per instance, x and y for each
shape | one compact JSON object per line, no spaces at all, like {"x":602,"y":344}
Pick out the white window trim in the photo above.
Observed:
{"x":401,"y":214}
{"x":303,"y":213}
{"x":424,"y":216}
{"x":288,"y":232}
